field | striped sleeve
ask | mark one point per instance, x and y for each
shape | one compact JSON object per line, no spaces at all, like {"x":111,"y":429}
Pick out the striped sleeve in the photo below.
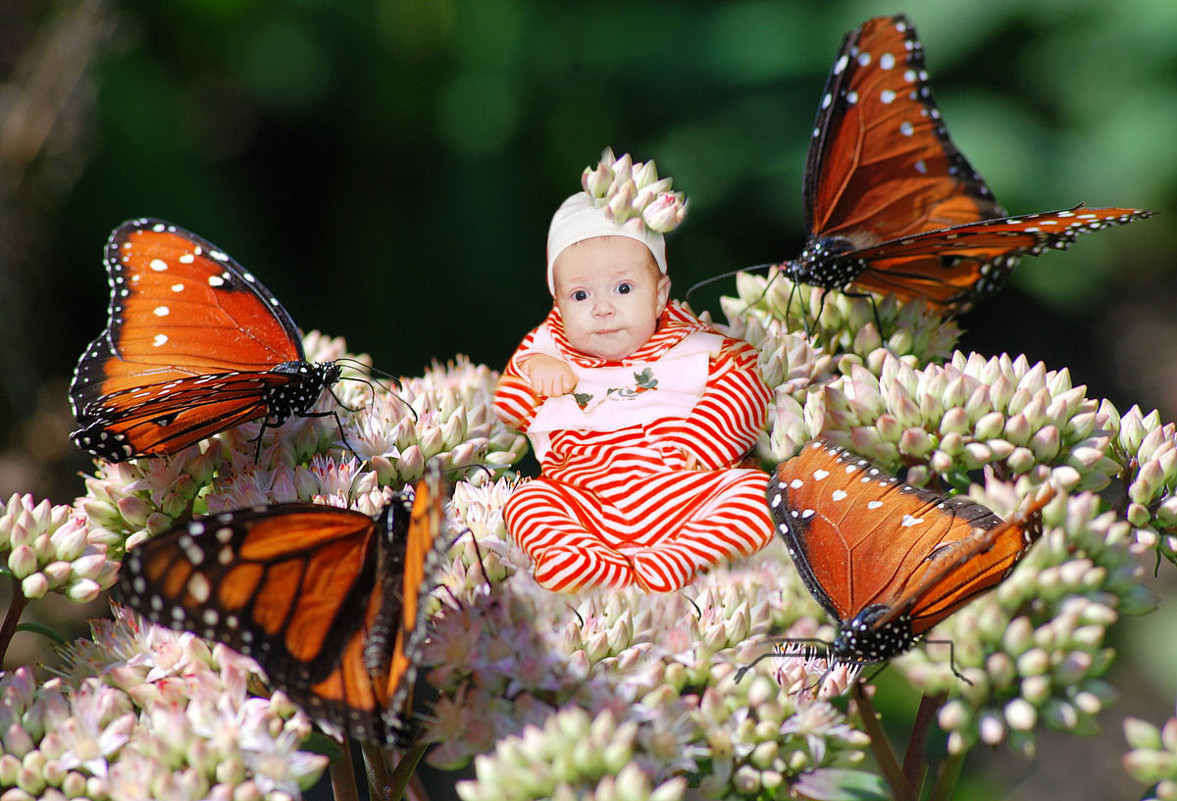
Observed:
{"x":727,"y":420}
{"x":514,"y":401}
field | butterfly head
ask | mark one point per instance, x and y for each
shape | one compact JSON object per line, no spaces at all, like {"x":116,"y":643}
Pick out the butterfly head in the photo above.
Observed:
{"x":820,"y":266}
{"x":297,"y":397}
{"x":870,"y":637}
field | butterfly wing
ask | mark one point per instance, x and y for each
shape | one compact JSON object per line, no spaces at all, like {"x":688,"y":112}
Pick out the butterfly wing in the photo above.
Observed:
{"x":880,"y":165}
{"x":290,"y":585}
{"x":955,"y":267}
{"x":864,"y":541}
{"x":194,"y":344}
{"x":328,"y":601}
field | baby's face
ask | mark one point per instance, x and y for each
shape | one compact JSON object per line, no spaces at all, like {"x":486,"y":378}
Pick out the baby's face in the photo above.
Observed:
{"x":610,"y":293}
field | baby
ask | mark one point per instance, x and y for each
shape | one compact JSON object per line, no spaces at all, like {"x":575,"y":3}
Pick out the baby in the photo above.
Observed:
{"x":637,"y":411}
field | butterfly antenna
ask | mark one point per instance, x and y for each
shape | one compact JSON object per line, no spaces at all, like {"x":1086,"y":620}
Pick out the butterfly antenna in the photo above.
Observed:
{"x":457,"y":601}
{"x":374,"y":373}
{"x":810,"y":649}
{"x":488,"y":469}
{"x":691,"y":601}
{"x":481,"y":566}
{"x":723,"y":277}
{"x":577,"y":613}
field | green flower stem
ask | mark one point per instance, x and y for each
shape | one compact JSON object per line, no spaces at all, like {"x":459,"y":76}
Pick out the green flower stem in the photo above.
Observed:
{"x":915,"y":763}
{"x":15,"y":609}
{"x":343,"y":776}
{"x":376,"y":767}
{"x":881,"y":746}
{"x":946,"y":780}
{"x":387,"y":786}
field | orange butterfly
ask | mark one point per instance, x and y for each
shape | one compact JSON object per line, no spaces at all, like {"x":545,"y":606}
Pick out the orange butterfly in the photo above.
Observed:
{"x":194,"y":345}
{"x":891,"y":205}
{"x":329,"y":601}
{"x":885,"y":559}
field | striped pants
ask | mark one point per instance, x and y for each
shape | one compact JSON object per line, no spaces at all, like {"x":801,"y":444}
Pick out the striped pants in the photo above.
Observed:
{"x":657,"y":533}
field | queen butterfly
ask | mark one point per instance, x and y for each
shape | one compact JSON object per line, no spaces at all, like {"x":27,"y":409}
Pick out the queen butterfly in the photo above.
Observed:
{"x":194,"y":345}
{"x":891,"y":205}
{"x":888,"y":560}
{"x":328,"y":601}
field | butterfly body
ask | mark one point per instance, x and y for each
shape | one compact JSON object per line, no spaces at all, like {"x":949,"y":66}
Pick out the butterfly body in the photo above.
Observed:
{"x":328,"y":601}
{"x":891,"y":205}
{"x":194,"y":345}
{"x":885,"y":559}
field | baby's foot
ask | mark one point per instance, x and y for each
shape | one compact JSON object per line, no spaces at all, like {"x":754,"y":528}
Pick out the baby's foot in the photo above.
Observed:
{"x":666,"y":567}
{"x":565,"y":568}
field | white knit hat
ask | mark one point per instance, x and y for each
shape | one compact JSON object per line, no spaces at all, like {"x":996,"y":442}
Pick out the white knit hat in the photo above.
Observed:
{"x":620,"y":198}
{"x":579,"y":218}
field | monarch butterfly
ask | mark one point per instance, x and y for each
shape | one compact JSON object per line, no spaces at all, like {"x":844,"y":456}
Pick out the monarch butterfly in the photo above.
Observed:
{"x":330,"y":602}
{"x":194,"y":345}
{"x":885,"y":559}
{"x":891,"y":205}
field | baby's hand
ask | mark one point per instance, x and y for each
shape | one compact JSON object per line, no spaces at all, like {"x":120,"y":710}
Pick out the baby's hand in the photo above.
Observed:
{"x":548,"y":375}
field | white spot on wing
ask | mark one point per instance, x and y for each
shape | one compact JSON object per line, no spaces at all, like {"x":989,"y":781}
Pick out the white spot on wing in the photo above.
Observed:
{"x":909,"y":521}
{"x":159,"y":265}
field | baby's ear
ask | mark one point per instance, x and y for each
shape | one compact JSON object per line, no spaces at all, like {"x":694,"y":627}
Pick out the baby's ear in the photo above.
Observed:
{"x":663,"y":293}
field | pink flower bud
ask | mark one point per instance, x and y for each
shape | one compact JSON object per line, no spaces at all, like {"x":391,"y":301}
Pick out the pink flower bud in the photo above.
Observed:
{"x":35,"y":585}
{"x":22,"y":561}
{"x":665,"y":212}
{"x":596,"y":182}
{"x":645,"y":174}
{"x":620,"y":207}
{"x":622,"y":171}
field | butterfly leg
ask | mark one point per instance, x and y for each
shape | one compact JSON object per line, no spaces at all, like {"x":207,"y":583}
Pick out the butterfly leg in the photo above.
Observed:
{"x":951,"y":658}
{"x":874,"y":305}
{"x":339,"y":425}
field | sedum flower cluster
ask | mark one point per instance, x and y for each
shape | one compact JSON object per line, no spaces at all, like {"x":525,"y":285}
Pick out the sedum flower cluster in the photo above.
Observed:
{"x":1153,"y":758}
{"x":144,"y":712}
{"x":632,"y":191}
{"x":49,"y":548}
{"x":620,"y":694}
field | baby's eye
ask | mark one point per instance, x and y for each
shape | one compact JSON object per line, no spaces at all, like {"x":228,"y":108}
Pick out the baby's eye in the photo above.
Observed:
{"x":580,"y":294}
{"x":624,"y":288}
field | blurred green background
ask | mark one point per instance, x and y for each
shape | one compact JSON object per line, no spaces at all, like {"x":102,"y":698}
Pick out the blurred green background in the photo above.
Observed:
{"x":388,"y":167}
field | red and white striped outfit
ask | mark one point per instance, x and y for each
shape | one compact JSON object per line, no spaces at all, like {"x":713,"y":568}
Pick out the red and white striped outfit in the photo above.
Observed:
{"x":653,"y":502}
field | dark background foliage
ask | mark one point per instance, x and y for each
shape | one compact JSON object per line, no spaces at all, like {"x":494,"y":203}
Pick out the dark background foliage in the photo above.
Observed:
{"x":388,"y":167}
